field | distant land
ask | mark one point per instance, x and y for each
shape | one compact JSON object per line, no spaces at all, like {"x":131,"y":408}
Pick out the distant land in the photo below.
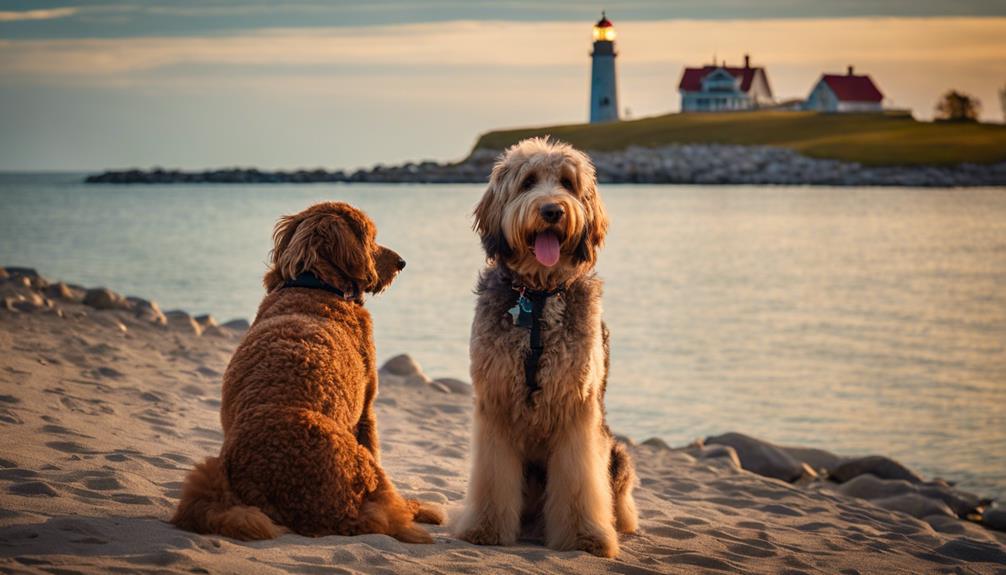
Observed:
{"x":764,"y":147}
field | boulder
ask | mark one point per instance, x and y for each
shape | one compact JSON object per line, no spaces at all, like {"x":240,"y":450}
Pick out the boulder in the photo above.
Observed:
{"x":63,"y":291}
{"x":454,"y":385}
{"x":657,"y":443}
{"x":27,"y":277}
{"x":995,"y":518}
{"x":416,"y":379}
{"x":878,"y":465}
{"x":624,"y":439}
{"x":961,"y":502}
{"x":182,"y":321}
{"x":402,"y":365}
{"x":761,"y":457}
{"x":29,"y":303}
{"x":439,"y":387}
{"x":239,"y":325}
{"x":103,"y":298}
{"x":15,"y":271}
{"x":147,"y":310}
{"x":206,"y":320}
{"x":915,"y":505}
{"x":953,"y":526}
{"x":4,"y":275}
{"x":817,"y":458}
{"x":718,"y":451}
{"x":869,"y":486}
{"x":216,"y":331}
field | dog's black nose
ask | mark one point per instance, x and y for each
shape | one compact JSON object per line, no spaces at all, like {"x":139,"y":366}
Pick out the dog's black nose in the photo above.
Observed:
{"x":401,"y":264}
{"x":552,"y":213}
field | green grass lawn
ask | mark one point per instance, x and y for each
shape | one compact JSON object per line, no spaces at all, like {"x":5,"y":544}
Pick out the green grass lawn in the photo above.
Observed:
{"x":873,"y":139}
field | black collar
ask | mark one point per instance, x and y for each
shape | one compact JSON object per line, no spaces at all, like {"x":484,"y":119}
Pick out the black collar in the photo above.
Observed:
{"x":311,"y":281}
{"x":537,"y":300}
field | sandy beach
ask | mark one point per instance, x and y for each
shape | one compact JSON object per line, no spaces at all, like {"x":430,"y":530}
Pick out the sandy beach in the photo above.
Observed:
{"x":105,"y":405}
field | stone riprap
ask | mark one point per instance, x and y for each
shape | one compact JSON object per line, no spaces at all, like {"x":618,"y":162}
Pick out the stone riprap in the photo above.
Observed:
{"x":675,"y":164}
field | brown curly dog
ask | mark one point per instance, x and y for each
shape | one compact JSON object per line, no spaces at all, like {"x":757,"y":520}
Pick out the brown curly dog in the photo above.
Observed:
{"x":543,"y":457}
{"x":300,"y":448}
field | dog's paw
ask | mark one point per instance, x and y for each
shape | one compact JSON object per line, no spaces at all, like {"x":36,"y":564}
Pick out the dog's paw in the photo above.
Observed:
{"x":600,"y":545}
{"x":482,"y":535}
{"x":426,"y":512}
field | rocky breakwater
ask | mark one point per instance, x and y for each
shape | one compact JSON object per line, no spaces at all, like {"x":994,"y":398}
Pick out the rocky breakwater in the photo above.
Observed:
{"x":675,"y":164}
{"x":23,"y":290}
{"x":880,"y":480}
{"x":720,"y":164}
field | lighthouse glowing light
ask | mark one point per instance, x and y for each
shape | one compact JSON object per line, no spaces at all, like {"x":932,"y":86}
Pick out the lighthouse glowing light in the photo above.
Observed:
{"x":603,"y":92}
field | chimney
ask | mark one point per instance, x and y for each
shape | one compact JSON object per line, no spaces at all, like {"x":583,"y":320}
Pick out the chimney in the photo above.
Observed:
{"x":747,"y":61}
{"x":850,"y":70}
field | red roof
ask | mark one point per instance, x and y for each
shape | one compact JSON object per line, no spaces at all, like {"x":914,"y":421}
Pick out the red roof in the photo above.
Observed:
{"x":603,"y":22}
{"x":851,"y":88}
{"x":691,"y":80}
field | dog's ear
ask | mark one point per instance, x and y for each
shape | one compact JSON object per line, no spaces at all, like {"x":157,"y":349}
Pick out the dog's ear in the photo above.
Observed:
{"x":348,"y":255}
{"x":596,"y":227}
{"x":489,"y":215}
{"x":283,"y":264}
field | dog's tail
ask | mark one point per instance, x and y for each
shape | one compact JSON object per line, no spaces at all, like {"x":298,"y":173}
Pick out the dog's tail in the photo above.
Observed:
{"x":209,"y":506}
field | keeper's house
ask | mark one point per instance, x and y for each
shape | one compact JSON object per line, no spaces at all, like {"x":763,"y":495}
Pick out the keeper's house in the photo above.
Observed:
{"x":848,"y":93}
{"x":724,"y":88}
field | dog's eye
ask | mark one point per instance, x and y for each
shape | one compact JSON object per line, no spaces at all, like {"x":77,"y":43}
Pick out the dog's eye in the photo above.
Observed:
{"x":567,"y":183}
{"x":528,"y":183}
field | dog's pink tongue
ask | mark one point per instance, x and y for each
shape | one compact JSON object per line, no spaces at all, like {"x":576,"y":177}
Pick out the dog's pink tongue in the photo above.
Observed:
{"x":546,"y":249}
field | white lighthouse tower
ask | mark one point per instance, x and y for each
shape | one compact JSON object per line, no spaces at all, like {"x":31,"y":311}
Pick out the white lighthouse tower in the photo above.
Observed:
{"x":603,"y":92}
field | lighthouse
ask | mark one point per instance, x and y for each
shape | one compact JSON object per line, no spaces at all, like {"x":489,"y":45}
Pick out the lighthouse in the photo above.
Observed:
{"x":603,"y":92}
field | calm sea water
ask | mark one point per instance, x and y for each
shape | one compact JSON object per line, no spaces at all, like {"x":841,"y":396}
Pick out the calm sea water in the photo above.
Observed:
{"x":861,"y":320}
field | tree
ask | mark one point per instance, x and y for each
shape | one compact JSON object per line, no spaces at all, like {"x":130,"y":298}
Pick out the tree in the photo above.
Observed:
{"x":957,"y":106}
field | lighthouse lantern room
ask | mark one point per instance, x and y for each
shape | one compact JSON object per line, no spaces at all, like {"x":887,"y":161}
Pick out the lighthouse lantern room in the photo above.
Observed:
{"x":603,"y":92}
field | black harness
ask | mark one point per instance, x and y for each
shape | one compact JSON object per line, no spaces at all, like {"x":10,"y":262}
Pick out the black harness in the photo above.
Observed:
{"x":311,"y":281}
{"x":530,"y":305}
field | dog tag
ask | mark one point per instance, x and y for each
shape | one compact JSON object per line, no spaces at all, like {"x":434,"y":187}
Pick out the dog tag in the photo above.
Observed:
{"x":520,"y":314}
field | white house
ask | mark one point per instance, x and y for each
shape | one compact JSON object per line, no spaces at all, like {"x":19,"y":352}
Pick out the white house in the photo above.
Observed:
{"x":848,"y":93}
{"x":724,"y":88}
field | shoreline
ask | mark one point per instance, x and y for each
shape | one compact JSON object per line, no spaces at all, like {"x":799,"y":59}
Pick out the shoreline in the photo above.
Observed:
{"x":107,"y":401}
{"x":694,"y":164}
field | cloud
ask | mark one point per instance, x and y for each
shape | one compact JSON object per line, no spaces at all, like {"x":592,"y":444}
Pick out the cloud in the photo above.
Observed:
{"x":525,"y":45}
{"x":27,"y":15}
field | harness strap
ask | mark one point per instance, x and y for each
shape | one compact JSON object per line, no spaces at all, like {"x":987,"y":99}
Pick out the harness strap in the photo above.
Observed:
{"x":538,"y":300}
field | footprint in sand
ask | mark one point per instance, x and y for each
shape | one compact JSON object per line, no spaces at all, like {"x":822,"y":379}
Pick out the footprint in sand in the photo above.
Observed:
{"x":193,"y":390}
{"x":8,"y":416}
{"x":766,"y":550}
{"x":13,"y":473}
{"x":71,"y":447}
{"x":207,"y":372}
{"x":672,"y":532}
{"x":33,"y":489}
{"x":102,"y":483}
{"x":60,"y":430}
{"x":107,"y":372}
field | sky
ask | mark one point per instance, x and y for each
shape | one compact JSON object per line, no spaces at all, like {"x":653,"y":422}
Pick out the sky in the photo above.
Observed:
{"x":193,"y":84}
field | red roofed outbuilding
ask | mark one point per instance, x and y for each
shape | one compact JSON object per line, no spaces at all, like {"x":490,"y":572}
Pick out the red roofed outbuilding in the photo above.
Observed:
{"x":848,"y":93}
{"x":722,"y":88}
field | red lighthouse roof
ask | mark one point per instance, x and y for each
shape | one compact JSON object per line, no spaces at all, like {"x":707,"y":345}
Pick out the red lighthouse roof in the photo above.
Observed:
{"x":603,"y":22}
{"x":691,"y":80}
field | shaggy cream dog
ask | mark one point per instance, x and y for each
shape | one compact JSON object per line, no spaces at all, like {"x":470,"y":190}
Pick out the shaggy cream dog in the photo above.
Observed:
{"x":543,"y":456}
